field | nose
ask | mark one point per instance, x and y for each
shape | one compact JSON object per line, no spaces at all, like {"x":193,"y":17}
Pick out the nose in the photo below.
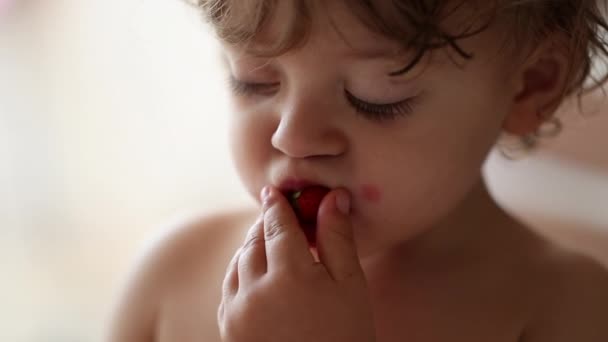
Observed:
{"x":308,"y":128}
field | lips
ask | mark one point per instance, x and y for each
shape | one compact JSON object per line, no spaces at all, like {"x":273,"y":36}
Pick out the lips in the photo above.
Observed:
{"x":295,"y":184}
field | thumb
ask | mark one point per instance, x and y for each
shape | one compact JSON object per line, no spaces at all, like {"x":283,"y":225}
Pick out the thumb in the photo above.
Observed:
{"x":335,"y":239}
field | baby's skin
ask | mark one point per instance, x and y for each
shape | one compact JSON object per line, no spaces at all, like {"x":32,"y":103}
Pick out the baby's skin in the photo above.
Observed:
{"x":421,"y":251}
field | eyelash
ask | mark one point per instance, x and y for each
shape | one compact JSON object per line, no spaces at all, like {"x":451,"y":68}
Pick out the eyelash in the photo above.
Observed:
{"x":372,"y":111}
{"x":380,"y":112}
{"x":248,"y":88}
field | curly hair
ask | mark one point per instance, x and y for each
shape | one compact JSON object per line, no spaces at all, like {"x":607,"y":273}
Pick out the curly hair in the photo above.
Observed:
{"x":419,"y":26}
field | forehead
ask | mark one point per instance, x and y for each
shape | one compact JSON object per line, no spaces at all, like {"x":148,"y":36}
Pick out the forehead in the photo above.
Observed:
{"x":340,"y":29}
{"x":325,"y":24}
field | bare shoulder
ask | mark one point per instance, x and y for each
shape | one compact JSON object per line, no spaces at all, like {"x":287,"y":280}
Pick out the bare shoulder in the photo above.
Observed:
{"x":196,"y":247}
{"x":572,"y":294}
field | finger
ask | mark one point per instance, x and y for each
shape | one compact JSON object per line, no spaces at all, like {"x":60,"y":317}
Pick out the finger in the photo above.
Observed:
{"x":221,"y":321}
{"x":286,"y":244}
{"x":220,"y":313}
{"x":230,"y":286}
{"x":335,"y":239}
{"x":252,"y":262}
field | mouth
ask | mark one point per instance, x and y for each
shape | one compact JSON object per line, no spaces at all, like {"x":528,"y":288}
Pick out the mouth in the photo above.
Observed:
{"x":305,"y":198}
{"x":292,"y":185}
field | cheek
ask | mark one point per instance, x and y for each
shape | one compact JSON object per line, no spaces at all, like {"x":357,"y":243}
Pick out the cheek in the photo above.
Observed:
{"x":248,"y":151}
{"x":238,"y":140}
{"x":371,"y":193}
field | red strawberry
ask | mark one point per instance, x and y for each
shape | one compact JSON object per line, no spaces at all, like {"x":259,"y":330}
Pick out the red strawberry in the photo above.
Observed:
{"x":306,"y":204}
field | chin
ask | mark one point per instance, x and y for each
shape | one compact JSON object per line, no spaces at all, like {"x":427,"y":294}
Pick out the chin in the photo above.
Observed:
{"x":368,"y":246}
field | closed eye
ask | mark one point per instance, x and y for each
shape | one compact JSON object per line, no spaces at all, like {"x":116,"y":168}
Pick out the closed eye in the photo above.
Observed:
{"x":381,"y":112}
{"x":251,"y":88}
{"x":371,"y":111}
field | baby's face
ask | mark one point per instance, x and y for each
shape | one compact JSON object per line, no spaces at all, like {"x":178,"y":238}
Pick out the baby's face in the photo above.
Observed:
{"x":408,"y":148}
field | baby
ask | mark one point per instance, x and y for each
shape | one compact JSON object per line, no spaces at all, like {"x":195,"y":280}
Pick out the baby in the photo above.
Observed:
{"x":390,"y":108}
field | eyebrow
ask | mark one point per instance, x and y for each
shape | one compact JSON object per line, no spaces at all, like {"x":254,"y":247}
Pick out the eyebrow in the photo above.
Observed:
{"x":389,"y":53}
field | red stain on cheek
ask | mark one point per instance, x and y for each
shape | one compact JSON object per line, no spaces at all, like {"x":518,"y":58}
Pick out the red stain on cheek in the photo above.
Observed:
{"x":371,"y":193}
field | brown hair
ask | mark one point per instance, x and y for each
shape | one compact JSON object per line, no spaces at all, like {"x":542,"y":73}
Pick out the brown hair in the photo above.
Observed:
{"x":579,"y":25}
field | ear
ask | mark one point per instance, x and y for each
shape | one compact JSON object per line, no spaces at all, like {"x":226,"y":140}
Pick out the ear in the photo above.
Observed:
{"x":540,"y":86}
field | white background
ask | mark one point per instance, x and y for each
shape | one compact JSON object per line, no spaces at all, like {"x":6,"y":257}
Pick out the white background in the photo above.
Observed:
{"x":112,"y":125}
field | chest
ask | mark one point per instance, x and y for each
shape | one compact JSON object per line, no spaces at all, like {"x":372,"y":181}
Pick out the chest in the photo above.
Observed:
{"x":447,"y":319}
{"x":455,"y":308}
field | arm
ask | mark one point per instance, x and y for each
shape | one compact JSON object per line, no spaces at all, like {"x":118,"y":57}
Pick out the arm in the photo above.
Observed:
{"x":166,"y":267}
{"x":577,"y":309}
{"x":136,"y":317}
{"x":136,"y":310}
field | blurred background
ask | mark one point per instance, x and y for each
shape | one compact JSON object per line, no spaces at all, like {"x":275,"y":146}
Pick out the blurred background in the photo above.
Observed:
{"x":112,"y":126}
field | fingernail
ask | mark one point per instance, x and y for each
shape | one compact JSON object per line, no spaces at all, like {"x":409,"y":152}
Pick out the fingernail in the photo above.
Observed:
{"x":265,"y":193}
{"x":343,"y":203}
{"x":269,"y":198}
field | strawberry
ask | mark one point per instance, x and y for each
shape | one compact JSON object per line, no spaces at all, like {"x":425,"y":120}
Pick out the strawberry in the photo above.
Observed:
{"x":306,"y":204}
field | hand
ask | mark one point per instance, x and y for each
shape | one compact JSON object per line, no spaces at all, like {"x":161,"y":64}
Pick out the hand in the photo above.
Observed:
{"x":274,"y":290}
